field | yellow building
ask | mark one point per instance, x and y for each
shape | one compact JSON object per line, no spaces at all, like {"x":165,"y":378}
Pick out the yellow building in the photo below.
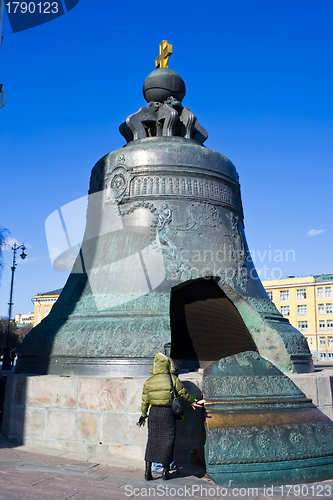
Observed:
{"x":43,"y":303}
{"x":307,"y":303}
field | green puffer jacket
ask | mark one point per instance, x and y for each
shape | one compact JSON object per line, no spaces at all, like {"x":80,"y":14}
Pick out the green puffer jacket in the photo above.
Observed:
{"x":157,"y":389}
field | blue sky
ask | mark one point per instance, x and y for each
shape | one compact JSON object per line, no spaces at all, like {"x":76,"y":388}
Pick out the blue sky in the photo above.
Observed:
{"x":259,"y":77}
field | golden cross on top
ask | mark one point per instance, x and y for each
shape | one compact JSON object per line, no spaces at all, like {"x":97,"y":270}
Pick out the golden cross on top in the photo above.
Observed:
{"x":165,"y":52}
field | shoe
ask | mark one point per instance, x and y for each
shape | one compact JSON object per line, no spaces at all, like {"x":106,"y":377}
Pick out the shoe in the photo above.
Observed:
{"x":148,"y":475}
{"x":165,"y":473}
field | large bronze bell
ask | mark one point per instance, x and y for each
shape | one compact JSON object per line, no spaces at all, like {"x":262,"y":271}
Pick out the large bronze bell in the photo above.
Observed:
{"x":164,"y":259}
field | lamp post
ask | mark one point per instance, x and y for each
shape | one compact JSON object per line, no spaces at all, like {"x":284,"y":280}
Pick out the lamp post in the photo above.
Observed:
{"x":7,"y":359}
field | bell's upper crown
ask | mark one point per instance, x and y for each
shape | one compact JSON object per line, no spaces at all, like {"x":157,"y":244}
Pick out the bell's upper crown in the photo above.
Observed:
{"x":164,"y":116}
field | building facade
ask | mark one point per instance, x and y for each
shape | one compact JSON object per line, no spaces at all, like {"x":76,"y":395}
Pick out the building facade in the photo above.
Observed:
{"x":25,"y":319}
{"x":43,"y":303}
{"x":307,"y":303}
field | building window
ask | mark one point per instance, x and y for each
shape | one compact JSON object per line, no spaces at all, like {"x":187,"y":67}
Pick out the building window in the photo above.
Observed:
{"x":321,"y":325}
{"x":270,"y":295}
{"x":322,"y":342}
{"x":330,"y":355}
{"x":328,"y":308}
{"x":284,"y":310}
{"x":284,"y":295}
{"x":301,"y":293}
{"x":320,"y":293}
{"x":47,"y":310}
{"x":323,"y":355}
{"x":302,"y":325}
{"x":327,"y":291}
{"x":38,"y":314}
{"x":321,"y":309}
{"x":330,"y":341}
{"x":329,"y":324}
{"x":301,"y":310}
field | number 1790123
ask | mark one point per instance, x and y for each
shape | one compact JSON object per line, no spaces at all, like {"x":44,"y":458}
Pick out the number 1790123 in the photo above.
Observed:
{"x":32,"y":7}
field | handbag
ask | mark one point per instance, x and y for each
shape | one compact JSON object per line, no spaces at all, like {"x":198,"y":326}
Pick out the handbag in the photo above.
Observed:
{"x":176,"y":406}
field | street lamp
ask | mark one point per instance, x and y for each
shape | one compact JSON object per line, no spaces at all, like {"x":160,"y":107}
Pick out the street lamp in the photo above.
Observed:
{"x":7,"y":359}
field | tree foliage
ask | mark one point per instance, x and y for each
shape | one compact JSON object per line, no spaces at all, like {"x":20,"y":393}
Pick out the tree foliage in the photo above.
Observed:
{"x":16,"y":335}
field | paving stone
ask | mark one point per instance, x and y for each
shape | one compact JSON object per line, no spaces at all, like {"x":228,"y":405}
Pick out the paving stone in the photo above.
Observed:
{"x":62,"y":445}
{"x":23,"y":491}
{"x":30,"y":475}
{"x":22,"y":478}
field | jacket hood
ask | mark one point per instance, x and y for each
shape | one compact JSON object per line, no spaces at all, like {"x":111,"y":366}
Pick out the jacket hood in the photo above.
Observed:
{"x":162,"y":364}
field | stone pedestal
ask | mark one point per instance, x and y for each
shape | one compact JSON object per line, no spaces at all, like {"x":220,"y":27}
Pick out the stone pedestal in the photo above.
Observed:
{"x":95,"y":416}
{"x":317,"y":386}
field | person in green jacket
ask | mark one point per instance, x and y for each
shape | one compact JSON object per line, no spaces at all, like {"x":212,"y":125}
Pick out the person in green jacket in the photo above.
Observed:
{"x":157,"y":397}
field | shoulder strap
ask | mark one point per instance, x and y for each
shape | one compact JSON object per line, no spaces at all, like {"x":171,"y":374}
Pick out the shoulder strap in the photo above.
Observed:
{"x":172,"y":386}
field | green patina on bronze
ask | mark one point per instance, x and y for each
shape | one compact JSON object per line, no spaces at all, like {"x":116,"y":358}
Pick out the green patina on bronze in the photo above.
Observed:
{"x":165,"y":191}
{"x":261,"y":429}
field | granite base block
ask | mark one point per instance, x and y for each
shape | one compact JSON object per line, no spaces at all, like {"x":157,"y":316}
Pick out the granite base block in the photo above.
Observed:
{"x":317,"y":386}
{"x":98,"y":416}
{"x":91,"y":415}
